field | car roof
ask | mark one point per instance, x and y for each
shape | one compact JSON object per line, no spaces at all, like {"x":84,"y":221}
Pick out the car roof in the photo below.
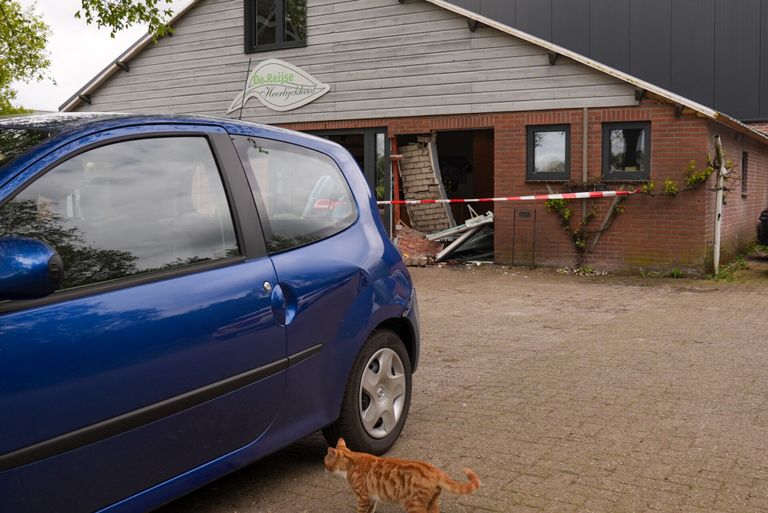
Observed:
{"x":61,"y":123}
{"x":64,"y":127}
{"x":54,"y":123}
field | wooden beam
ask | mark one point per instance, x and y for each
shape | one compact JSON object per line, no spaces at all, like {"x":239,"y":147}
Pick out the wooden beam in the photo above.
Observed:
{"x":85,"y":98}
{"x":123,"y":65}
{"x":606,"y":220}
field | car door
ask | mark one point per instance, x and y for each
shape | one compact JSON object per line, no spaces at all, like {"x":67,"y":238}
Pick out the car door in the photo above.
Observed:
{"x":163,"y":351}
{"x":319,"y":252}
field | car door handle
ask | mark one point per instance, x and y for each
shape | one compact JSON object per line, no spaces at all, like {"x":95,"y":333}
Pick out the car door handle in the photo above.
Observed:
{"x":283,"y":304}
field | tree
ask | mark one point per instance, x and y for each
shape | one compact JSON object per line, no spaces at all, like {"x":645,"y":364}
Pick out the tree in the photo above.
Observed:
{"x":117,"y":15}
{"x":24,"y":36}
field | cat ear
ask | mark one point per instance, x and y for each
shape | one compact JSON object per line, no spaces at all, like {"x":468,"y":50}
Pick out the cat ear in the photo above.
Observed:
{"x":331,"y":452}
{"x":341,"y":443}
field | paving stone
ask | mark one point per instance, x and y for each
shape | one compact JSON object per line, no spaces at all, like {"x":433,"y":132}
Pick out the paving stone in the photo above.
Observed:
{"x":566,"y":394}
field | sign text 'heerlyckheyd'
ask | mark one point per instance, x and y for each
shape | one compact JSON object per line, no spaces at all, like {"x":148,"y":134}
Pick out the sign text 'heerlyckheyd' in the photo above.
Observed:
{"x":279,"y":86}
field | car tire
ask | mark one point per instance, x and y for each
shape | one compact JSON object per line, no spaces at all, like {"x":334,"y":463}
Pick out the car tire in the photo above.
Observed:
{"x":377,"y":397}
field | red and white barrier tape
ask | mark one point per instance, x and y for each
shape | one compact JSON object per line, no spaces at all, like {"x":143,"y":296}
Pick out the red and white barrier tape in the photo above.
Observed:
{"x":535,"y":197}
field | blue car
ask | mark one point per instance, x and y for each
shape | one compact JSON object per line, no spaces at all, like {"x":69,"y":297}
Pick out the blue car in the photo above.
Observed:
{"x":181,"y":296}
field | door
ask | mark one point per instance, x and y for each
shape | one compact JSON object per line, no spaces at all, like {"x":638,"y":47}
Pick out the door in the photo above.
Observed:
{"x":162,"y":353}
{"x":370,"y":148}
{"x":309,"y":216}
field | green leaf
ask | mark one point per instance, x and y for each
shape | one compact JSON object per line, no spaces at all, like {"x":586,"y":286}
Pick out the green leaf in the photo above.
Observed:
{"x":23,"y":38}
{"x":117,"y":15}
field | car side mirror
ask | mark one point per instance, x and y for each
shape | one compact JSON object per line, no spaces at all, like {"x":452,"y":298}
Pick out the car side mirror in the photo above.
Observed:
{"x":29,"y":268}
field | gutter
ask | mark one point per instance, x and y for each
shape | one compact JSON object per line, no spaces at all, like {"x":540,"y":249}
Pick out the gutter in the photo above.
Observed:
{"x":120,"y":63}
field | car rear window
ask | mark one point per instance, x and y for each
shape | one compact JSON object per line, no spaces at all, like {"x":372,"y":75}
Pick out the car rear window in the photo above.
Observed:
{"x":301,"y":194}
{"x":15,"y":142}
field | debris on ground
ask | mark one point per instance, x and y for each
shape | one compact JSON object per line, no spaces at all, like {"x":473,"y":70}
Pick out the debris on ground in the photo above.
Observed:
{"x":478,"y":263}
{"x":477,"y":246}
{"x":417,"y":251}
{"x":471,"y":241}
{"x":581,"y":271}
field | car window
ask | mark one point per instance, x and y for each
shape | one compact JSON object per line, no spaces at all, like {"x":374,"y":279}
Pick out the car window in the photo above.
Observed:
{"x":127,"y":208}
{"x":14,"y":142}
{"x":301,"y":194}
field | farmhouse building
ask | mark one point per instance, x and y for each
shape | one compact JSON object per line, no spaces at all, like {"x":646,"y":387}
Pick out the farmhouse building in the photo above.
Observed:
{"x":476,"y":102}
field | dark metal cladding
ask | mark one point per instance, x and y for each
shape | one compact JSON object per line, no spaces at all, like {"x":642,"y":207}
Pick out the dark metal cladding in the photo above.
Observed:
{"x":707,"y":50}
{"x":609,"y":30}
{"x":763,"y":68}
{"x":650,"y":41}
{"x":737,"y":57}
{"x":693,"y":50}
{"x":535,"y":17}
{"x":570,"y":24}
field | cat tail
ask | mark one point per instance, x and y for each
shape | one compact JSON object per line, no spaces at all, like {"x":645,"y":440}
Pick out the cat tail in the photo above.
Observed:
{"x":446,"y":483}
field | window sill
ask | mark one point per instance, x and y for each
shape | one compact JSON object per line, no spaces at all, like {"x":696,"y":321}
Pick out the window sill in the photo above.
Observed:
{"x":547,"y":180}
{"x":275,"y":46}
{"x":625,"y":180}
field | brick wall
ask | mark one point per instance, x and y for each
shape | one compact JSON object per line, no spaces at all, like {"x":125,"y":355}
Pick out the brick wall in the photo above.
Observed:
{"x":419,"y":181}
{"x":654,"y":233}
{"x":742,"y":207}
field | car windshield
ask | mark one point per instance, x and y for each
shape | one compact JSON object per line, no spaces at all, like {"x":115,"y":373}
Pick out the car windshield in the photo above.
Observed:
{"x":15,"y":141}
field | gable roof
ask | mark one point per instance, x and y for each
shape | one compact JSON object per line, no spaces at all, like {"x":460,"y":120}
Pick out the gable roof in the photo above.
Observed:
{"x":649,"y":89}
{"x":653,"y":90}
{"x":120,"y":63}
{"x":707,"y":50}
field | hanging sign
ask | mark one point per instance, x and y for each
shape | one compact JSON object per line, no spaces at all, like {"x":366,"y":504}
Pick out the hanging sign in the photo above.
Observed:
{"x":279,"y":86}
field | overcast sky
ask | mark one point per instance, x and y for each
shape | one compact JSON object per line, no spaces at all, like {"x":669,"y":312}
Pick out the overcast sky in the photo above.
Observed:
{"x":78,"y":52}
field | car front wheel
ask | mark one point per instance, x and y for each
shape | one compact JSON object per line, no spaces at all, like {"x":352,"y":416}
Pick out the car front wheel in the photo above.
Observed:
{"x":377,"y":397}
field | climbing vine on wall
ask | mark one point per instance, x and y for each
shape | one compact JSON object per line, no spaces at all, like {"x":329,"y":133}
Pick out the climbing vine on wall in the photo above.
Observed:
{"x":581,"y":234}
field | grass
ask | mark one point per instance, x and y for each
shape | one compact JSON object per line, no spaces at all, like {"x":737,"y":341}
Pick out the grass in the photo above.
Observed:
{"x":729,"y":272}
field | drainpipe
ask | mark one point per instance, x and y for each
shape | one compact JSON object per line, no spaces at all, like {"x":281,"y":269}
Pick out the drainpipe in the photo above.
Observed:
{"x":584,"y":155}
{"x":721,"y":173}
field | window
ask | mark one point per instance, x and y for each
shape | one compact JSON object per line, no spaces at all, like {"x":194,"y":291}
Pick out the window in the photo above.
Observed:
{"x":744,"y":172}
{"x":301,"y":194}
{"x":627,"y":151}
{"x":14,"y":142}
{"x":549,"y":152}
{"x":128,"y":208}
{"x":274,"y":24}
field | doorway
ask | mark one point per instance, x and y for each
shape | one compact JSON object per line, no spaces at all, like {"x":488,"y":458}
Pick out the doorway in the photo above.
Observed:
{"x":466,"y":168}
{"x":370,"y":148}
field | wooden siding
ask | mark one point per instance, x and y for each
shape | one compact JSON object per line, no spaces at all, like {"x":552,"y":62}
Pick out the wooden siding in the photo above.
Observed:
{"x":381,"y":59}
{"x":711,"y":51}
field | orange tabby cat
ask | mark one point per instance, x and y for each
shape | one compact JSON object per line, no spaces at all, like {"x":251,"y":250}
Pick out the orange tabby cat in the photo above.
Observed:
{"x":414,"y":484}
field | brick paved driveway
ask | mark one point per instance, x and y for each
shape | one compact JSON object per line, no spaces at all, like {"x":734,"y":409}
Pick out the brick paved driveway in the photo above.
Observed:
{"x":566,"y":394}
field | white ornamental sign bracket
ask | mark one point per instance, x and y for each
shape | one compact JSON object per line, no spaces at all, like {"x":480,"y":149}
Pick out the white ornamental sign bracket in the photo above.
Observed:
{"x":279,"y":86}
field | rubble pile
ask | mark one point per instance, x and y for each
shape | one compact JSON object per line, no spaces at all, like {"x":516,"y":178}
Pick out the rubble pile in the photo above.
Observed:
{"x":470,"y":241}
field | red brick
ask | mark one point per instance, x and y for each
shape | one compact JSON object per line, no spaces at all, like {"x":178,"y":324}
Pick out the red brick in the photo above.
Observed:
{"x":653,"y":233}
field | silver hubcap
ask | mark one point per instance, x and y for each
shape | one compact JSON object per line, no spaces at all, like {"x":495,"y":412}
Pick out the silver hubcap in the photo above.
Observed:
{"x":382,"y":393}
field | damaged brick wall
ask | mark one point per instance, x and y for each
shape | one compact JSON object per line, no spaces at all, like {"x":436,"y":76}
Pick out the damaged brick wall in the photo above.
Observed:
{"x":419,"y":181}
{"x":653,"y":233}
